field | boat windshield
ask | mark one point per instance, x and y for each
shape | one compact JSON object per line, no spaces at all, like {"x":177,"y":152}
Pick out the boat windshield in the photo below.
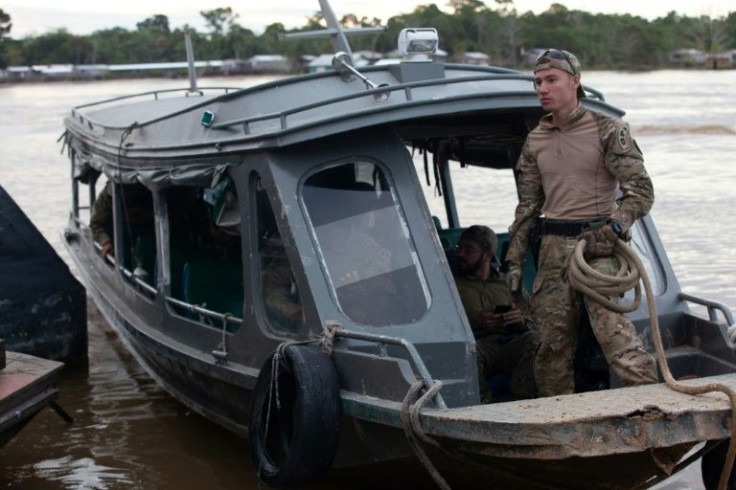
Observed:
{"x":366,"y":250}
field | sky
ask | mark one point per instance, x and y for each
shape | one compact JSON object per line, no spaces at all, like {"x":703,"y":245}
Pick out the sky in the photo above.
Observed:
{"x":82,"y":17}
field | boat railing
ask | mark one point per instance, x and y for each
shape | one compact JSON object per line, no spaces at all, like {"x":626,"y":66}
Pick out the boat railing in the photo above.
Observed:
{"x":155,"y":93}
{"x":382,"y":341}
{"x":152,"y":291}
{"x":282,"y":116}
{"x":712,"y":306}
{"x":130,"y":275}
{"x":382,"y":93}
{"x":199,"y":310}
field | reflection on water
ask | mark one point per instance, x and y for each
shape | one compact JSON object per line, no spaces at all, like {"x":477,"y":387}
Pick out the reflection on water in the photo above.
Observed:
{"x":128,"y":433}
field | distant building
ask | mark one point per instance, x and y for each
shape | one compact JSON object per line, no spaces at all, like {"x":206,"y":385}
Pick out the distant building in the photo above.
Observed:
{"x":91,"y":71}
{"x":18,"y":73}
{"x":260,"y":63}
{"x":324,"y":63}
{"x":370,"y":56}
{"x":476,"y":58}
{"x":687,"y":58}
{"x":440,"y":55}
{"x":52,"y":72}
{"x":302,"y":64}
{"x":721,"y":61}
{"x":268,"y":63}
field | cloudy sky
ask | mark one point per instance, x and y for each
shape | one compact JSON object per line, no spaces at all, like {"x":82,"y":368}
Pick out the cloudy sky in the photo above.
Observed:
{"x":33,"y":17}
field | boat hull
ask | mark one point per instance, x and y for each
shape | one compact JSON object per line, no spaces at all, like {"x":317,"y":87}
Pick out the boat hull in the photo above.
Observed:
{"x":617,"y":438}
{"x":191,"y":377}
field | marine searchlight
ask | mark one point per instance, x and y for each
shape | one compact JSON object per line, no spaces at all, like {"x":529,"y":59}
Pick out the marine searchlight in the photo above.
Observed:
{"x":418,"y":41}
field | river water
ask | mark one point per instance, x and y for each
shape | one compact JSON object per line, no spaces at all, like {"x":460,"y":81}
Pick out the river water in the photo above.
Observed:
{"x":129,"y":434}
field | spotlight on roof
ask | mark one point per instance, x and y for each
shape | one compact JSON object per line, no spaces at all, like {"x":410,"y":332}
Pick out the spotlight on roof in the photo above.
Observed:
{"x":418,"y":40}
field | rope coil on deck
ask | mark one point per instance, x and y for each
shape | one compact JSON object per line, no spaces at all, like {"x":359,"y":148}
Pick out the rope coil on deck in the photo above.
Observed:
{"x":600,"y":288}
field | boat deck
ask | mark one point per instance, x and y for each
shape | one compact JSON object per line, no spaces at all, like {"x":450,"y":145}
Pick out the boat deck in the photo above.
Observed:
{"x":597,"y":423}
{"x":611,"y":421}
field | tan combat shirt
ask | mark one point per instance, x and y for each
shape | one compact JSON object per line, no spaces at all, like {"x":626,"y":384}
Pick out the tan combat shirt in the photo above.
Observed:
{"x":571,"y":173}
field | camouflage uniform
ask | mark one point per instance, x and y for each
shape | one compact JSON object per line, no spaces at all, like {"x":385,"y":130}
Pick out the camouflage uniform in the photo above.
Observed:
{"x":100,"y":221}
{"x":510,"y":354}
{"x":137,"y":210}
{"x":554,"y":303}
{"x":280,"y":295}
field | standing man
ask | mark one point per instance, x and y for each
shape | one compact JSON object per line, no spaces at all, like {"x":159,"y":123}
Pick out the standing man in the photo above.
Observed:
{"x":568,"y":172}
{"x":505,"y":343}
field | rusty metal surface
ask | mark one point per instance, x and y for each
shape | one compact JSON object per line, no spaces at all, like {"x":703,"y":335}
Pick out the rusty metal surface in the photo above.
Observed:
{"x":619,"y":421}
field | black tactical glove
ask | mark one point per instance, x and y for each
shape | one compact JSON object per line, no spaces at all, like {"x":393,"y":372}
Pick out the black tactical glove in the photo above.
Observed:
{"x":601,"y":242}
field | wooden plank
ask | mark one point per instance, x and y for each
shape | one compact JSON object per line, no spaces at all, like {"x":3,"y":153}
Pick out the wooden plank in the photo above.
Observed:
{"x":25,"y":374}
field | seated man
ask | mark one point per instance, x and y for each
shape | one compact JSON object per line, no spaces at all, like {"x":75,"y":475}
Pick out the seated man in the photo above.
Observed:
{"x":280,"y":296}
{"x":505,"y":343}
{"x":137,"y":208}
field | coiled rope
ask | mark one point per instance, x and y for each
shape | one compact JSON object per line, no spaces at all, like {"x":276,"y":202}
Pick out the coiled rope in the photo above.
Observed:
{"x":601,"y":288}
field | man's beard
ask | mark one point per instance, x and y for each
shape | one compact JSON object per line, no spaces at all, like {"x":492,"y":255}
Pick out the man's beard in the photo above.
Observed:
{"x":468,"y":268}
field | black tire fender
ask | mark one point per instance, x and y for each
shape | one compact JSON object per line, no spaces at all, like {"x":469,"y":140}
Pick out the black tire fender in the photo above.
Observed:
{"x":295,"y":417}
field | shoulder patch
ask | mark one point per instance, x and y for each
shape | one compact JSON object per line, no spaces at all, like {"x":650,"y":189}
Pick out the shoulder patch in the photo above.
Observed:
{"x":623,"y":138}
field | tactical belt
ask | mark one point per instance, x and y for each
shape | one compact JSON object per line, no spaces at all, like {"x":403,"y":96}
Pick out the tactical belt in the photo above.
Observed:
{"x":569,"y":228}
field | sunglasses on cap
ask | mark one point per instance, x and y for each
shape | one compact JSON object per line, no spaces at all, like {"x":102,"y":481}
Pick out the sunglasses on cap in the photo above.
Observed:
{"x":558,"y":54}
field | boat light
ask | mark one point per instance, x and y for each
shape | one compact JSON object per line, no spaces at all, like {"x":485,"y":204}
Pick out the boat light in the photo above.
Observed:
{"x":208,"y":117}
{"x":418,"y":40}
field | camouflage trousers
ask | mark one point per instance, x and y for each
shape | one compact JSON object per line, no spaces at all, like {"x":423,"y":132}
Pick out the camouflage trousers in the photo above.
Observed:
{"x":510,"y":356}
{"x":555,"y":309}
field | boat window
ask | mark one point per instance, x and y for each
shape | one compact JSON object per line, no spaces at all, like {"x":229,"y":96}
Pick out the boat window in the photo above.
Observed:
{"x":134,"y":232}
{"x":365,"y":245}
{"x":205,"y":264}
{"x":84,"y":195}
{"x":281,"y":301}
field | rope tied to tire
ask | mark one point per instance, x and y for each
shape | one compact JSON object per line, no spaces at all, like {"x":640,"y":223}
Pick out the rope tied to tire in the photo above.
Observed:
{"x":601,"y":288}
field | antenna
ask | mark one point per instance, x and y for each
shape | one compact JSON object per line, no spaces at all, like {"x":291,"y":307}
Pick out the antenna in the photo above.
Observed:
{"x":190,"y":60}
{"x":335,"y":31}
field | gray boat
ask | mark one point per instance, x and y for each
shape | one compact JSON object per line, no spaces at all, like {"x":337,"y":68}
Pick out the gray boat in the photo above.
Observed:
{"x":276,"y":268}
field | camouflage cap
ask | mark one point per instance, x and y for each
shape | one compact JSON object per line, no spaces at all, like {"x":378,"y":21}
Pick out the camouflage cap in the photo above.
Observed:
{"x":562,"y":60}
{"x":482,"y":235}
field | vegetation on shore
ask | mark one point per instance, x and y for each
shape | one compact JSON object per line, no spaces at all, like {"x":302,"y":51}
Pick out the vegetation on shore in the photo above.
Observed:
{"x":601,"y":41}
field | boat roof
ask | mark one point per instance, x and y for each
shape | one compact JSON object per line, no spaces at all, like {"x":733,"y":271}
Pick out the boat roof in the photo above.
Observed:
{"x":173,"y":126}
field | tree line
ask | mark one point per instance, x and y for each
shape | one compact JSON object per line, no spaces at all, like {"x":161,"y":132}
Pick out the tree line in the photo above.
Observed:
{"x":601,"y":41}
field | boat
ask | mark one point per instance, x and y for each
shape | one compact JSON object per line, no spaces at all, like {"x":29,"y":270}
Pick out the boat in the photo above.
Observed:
{"x":276,"y":268}
{"x":27,"y":386}
{"x":43,"y":307}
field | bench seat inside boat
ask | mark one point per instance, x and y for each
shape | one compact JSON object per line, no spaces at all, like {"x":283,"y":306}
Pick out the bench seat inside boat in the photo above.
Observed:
{"x":214,"y":284}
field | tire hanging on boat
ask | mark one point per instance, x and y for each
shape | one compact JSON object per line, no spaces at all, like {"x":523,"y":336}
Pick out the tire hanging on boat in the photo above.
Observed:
{"x":295,"y":417}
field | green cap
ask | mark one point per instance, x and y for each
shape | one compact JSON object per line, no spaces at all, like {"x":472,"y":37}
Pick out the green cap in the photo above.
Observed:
{"x":562,"y":60}
{"x":482,"y":235}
